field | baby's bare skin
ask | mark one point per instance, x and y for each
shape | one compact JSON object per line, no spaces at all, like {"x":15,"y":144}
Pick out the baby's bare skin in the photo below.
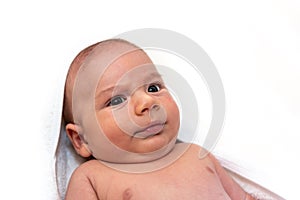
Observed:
{"x":129,"y":116}
{"x":187,"y":178}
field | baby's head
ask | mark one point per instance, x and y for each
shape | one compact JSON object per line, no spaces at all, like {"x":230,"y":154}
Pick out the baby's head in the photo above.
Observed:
{"x":116,"y":105}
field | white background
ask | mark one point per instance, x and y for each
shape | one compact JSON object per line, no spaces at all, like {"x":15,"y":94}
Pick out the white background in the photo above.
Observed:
{"x":255,"y":46}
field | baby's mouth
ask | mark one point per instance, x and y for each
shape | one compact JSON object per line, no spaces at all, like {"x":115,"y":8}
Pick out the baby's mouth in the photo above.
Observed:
{"x":152,"y":129}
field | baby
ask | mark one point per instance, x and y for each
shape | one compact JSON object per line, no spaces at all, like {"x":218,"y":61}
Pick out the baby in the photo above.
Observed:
{"x":120,"y":115}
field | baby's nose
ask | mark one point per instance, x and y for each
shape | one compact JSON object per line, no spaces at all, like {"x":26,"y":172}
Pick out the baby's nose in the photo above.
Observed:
{"x":144,"y":103}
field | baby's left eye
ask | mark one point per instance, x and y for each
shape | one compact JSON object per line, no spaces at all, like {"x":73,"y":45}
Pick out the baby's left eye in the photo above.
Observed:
{"x":154,"y":88}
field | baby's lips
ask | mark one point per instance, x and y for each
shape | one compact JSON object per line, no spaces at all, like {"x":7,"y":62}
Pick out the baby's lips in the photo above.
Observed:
{"x":152,"y":129}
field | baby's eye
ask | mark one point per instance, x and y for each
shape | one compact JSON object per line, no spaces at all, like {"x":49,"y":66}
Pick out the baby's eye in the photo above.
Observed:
{"x":154,"y":88}
{"x":116,"y":100}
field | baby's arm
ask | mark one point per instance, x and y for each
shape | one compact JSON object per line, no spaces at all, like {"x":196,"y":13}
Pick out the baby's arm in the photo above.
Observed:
{"x":80,"y":187}
{"x":231,"y":187}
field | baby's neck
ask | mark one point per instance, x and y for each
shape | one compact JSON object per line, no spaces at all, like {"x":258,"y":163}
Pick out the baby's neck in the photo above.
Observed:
{"x":154,"y":165}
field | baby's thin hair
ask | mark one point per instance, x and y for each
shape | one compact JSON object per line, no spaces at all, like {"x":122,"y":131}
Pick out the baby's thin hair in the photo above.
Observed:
{"x":74,"y":68}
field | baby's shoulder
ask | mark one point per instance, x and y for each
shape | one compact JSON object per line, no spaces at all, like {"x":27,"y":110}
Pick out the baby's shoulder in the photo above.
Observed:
{"x":84,"y":181}
{"x":88,"y":169}
{"x":196,"y":150}
{"x":197,"y":155}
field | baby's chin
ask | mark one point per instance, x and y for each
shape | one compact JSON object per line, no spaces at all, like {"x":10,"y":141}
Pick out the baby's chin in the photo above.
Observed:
{"x":150,"y":161}
{"x":157,"y":145}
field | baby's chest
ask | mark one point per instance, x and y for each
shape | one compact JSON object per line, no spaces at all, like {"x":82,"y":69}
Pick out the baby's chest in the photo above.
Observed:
{"x":182,"y":182}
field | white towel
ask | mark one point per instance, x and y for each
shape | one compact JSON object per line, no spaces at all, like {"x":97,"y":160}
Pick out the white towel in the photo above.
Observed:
{"x":65,"y":159}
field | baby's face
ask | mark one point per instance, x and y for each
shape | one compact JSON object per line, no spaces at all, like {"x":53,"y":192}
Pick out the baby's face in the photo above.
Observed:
{"x":133,"y":107}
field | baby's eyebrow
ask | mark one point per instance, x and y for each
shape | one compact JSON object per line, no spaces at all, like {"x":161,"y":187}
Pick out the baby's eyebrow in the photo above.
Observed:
{"x":99,"y":95}
{"x":153,"y":75}
{"x":110,"y":89}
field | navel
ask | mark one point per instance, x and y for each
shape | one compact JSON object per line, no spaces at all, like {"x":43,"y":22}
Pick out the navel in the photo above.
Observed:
{"x":127,"y":194}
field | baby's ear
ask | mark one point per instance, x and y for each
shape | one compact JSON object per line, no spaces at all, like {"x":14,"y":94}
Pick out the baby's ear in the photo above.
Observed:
{"x":79,"y":145}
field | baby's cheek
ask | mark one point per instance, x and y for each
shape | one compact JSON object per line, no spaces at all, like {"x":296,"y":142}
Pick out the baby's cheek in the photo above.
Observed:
{"x":105,"y":121}
{"x":111,"y":130}
{"x":172,"y":108}
{"x":172,"y":103}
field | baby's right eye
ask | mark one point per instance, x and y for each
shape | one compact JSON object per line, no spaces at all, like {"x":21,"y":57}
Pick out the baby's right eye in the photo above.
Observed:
{"x":116,"y":100}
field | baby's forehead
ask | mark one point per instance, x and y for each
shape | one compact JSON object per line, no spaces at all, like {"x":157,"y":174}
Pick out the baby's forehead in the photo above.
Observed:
{"x":102,"y":60}
{"x":134,"y":67}
{"x":103,"y":55}
{"x":112,"y":49}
